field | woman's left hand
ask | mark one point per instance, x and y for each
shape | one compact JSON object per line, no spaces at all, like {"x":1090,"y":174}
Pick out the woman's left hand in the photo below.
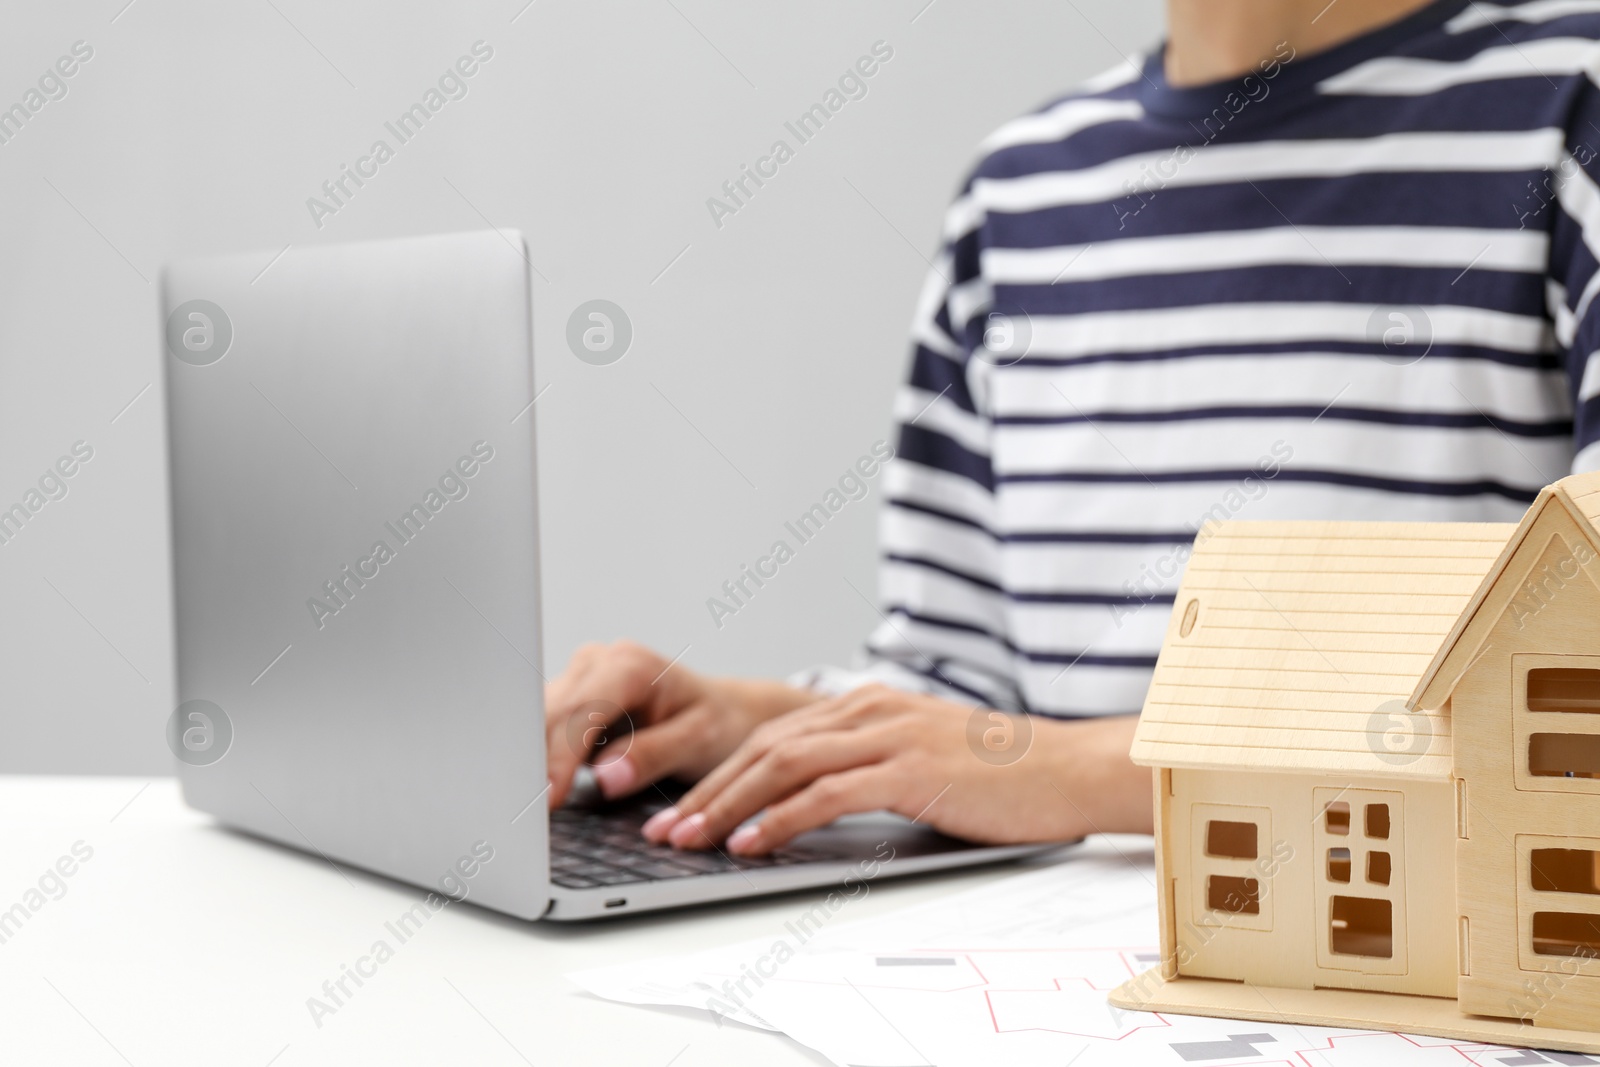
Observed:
{"x":974,"y":773}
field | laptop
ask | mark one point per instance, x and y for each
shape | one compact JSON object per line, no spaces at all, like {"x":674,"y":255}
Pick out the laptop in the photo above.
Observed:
{"x":356,"y":579}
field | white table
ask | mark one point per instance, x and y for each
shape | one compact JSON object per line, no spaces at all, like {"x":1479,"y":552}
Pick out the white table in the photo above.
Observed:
{"x":178,"y":942}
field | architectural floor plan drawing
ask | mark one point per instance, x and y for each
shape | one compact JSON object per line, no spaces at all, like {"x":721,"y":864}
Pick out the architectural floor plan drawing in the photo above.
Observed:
{"x":1016,"y":972}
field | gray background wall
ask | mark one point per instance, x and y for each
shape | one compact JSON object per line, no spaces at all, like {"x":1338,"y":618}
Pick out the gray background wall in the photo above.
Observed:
{"x":765,"y":352}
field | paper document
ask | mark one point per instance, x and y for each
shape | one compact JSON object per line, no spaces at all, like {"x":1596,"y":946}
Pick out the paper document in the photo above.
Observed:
{"x":1015,"y":972}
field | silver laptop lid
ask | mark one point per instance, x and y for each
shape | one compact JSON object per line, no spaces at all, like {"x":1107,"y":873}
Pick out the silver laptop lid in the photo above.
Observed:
{"x":355,"y":557}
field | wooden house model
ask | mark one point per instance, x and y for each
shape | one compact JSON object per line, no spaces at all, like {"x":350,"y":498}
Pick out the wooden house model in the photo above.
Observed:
{"x":1377,"y":753}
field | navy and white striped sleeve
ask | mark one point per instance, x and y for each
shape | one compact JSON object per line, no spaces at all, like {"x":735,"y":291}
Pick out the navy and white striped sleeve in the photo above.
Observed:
{"x":1573,"y":197}
{"x":944,"y":627}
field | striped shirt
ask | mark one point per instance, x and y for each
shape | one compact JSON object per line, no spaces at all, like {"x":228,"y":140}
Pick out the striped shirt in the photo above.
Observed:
{"x":1354,"y":285}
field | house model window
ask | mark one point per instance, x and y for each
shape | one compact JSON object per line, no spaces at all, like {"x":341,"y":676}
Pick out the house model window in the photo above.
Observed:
{"x":1564,"y":690}
{"x":1231,"y":893}
{"x":1230,"y":843}
{"x":1559,"y":905}
{"x":1557,"y":715}
{"x":1360,"y":905}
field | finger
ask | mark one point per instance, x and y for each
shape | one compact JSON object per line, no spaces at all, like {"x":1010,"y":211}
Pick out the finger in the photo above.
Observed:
{"x":762,"y":740}
{"x":780,"y":773}
{"x":834,"y":714}
{"x":652,"y":753}
{"x":560,"y":762}
{"x":620,"y":673}
{"x":616,"y":682}
{"x":573,"y":739}
{"x":870,"y":788}
{"x":557,"y":689}
{"x":840,"y":712}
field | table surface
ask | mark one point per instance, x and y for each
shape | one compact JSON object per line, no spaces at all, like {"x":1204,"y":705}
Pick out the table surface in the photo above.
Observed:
{"x":179,"y":942}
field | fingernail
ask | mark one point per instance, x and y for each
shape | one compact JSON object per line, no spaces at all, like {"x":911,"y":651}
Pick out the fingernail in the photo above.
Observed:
{"x":744,"y":839}
{"x":615,"y":777}
{"x":656,"y":828}
{"x":689,"y":832}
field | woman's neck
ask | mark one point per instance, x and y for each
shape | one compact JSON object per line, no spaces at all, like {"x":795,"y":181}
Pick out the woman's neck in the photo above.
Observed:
{"x":1216,"y":40}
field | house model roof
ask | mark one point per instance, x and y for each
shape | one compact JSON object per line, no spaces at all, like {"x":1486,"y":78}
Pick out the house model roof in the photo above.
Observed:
{"x":1579,"y":495}
{"x":1305,"y":635}
{"x":1299,"y":646}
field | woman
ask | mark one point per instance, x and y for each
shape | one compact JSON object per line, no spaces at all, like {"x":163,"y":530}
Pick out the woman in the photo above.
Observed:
{"x":1308,"y":260}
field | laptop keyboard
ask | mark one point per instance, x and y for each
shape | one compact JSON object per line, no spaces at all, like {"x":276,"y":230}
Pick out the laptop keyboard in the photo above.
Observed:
{"x":602,"y":847}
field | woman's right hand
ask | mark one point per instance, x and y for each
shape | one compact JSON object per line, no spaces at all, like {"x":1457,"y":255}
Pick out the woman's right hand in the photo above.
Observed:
{"x":683,"y":723}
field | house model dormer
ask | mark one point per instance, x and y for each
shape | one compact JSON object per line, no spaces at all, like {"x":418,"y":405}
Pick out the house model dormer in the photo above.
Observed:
{"x":1377,"y":754}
